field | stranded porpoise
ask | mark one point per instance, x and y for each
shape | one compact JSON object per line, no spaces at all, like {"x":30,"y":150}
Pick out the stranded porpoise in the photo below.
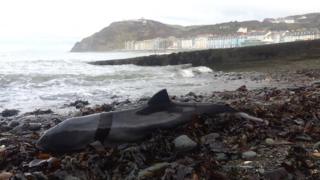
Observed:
{"x":128,"y":125}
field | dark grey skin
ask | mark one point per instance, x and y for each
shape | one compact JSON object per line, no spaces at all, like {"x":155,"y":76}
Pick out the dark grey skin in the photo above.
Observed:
{"x":124,"y":126}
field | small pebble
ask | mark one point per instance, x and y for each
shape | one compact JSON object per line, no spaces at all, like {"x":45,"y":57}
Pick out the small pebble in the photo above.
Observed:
{"x":249,"y":155}
{"x":34,"y":126}
{"x":269,"y":141}
{"x":184,"y":143}
{"x":221,"y":157}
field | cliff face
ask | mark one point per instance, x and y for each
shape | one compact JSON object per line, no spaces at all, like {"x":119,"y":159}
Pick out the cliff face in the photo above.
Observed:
{"x":114,"y":36}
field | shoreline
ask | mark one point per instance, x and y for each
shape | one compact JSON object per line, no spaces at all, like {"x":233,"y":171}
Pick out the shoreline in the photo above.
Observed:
{"x":227,"y":147}
{"x":220,"y":81}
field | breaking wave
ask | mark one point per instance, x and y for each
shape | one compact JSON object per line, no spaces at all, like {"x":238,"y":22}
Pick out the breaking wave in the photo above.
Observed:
{"x":52,"y":80}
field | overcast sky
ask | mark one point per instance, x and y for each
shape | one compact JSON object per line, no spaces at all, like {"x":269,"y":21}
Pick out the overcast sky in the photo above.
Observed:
{"x":28,"y":22}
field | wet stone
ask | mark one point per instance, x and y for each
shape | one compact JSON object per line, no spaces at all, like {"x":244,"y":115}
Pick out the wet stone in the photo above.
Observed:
{"x":152,"y":170}
{"x":69,"y":177}
{"x":299,"y":122}
{"x":303,"y":137}
{"x":5,"y":128}
{"x":5,"y":175}
{"x":269,"y":141}
{"x":221,"y":157}
{"x":107,"y":107}
{"x":9,"y":112}
{"x":207,"y":139}
{"x":79,"y":104}
{"x":40,"y":176}
{"x":316,"y":83}
{"x":249,"y":155}
{"x":192,"y":94}
{"x":316,"y":146}
{"x":13,"y":124}
{"x":277,"y":174}
{"x":37,"y":163}
{"x":184,"y":143}
{"x":213,"y":143}
{"x":4,"y":141}
{"x":242,"y":89}
{"x":40,"y":112}
{"x":34,"y":126}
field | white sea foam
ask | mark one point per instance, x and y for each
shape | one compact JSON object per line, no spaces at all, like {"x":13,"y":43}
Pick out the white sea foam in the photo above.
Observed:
{"x":194,"y":71}
{"x":50,"y":80}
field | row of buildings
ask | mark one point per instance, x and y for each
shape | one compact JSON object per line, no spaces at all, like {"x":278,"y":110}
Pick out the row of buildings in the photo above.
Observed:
{"x":240,"y":39}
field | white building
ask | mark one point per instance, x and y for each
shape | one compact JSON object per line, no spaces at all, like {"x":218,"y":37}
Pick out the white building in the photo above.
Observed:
{"x":289,"y":21}
{"x":274,"y":37}
{"x":129,"y":45}
{"x":301,"y":36}
{"x":187,"y":43}
{"x":243,"y":30}
{"x":201,"y":42}
{"x":174,"y":43}
{"x":257,"y":35}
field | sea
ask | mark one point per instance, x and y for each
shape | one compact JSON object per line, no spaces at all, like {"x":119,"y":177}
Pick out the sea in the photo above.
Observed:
{"x":52,"y":80}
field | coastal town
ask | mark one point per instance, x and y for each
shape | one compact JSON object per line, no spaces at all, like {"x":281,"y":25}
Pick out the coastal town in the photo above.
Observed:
{"x":243,"y":37}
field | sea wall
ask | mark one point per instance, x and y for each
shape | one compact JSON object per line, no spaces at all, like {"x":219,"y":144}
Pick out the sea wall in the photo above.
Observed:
{"x":221,"y":59}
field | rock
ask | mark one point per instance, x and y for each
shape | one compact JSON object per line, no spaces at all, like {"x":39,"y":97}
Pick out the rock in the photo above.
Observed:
{"x":191,"y":94}
{"x":5,"y":175}
{"x":261,"y":170}
{"x":104,"y":108}
{"x":303,"y":137}
{"x":34,"y":126}
{"x":70,"y":177}
{"x":2,"y":154}
{"x":51,"y":162}
{"x":40,"y":176}
{"x":316,"y":155}
{"x":5,"y":128}
{"x":221,"y":157}
{"x":269,"y":141}
{"x":4,"y":141}
{"x":242,"y":88}
{"x":299,"y":122}
{"x":79,"y":104}
{"x":9,"y":112}
{"x":98,"y":146}
{"x":209,"y":138}
{"x":151,"y":171}
{"x":40,"y":112}
{"x":184,"y":143}
{"x":316,"y":83}
{"x":37,"y":163}
{"x":316,"y":146}
{"x":180,"y":170}
{"x":21,"y":129}
{"x":29,"y":175}
{"x":249,"y":155}
{"x":213,"y":143}
{"x":277,"y":174}
{"x":13,"y":124}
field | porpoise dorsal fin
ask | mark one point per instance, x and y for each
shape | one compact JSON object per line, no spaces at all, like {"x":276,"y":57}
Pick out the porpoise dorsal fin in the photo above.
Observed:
{"x":160,"y":98}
